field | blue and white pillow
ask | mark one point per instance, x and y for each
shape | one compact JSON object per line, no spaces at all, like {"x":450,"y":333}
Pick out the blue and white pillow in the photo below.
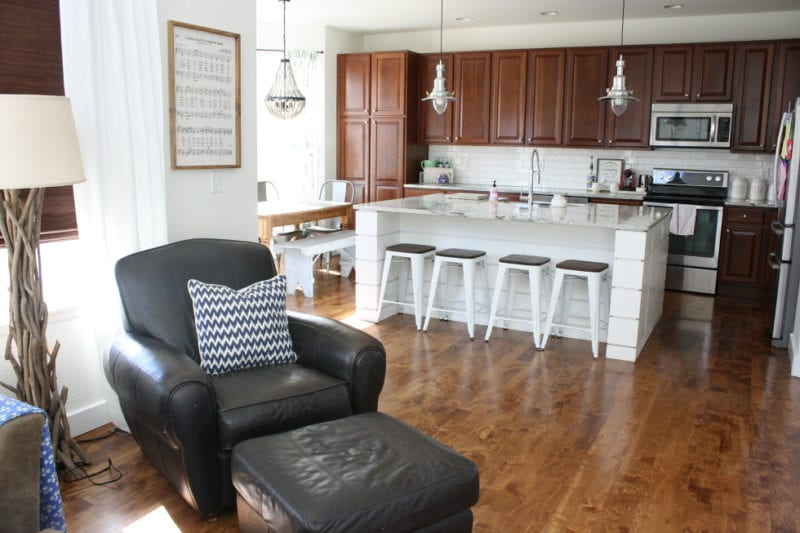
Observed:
{"x":241,"y":329}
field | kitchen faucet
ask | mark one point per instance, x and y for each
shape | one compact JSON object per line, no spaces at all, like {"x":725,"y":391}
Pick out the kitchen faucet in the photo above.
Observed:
{"x":536,"y":171}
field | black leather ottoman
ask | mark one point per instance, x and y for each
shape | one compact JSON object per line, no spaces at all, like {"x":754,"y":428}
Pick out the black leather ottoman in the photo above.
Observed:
{"x":368,"y":472}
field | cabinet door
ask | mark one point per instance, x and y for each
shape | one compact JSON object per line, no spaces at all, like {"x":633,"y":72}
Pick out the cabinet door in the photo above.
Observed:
{"x":787,"y":85}
{"x":388,"y":83}
{"x":473,"y":97}
{"x":387,"y":160}
{"x":712,"y":76}
{"x":353,"y":84}
{"x":632,"y":128}
{"x":545,"y":98}
{"x":353,"y":155}
{"x":741,"y":246}
{"x":435,"y":128}
{"x":584,"y":120}
{"x":508,"y":97}
{"x":672,"y":75}
{"x":753,"y":85}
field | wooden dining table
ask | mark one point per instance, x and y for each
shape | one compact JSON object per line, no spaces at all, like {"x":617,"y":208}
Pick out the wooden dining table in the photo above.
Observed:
{"x":286,"y":213}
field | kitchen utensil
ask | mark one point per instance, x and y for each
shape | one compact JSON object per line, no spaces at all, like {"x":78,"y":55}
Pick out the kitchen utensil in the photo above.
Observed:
{"x":428,"y":163}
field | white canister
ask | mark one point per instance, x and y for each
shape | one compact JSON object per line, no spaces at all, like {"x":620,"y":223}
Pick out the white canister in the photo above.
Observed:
{"x":738,"y":190}
{"x":758,"y":190}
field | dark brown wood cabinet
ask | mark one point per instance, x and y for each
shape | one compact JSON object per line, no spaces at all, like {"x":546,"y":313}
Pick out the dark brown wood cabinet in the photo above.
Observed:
{"x":694,"y":73}
{"x":744,"y":248}
{"x":544,"y":116}
{"x":589,"y":121}
{"x":509,"y":69}
{"x":786,"y":85}
{"x":585,"y":115}
{"x":632,"y":128}
{"x":377,"y":146}
{"x":434,"y":128}
{"x":753,"y":78}
{"x":472,"y":79}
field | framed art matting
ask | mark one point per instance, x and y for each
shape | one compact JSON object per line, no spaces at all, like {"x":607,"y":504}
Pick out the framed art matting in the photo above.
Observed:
{"x":609,"y":171}
{"x":204,"y":97}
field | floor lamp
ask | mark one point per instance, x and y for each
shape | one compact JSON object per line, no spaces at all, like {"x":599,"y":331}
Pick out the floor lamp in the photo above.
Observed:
{"x":38,"y":149}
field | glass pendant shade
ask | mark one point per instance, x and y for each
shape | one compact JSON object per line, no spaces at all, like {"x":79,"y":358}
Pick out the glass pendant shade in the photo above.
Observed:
{"x":439,"y":95}
{"x":618,"y":95}
{"x":284,"y":100}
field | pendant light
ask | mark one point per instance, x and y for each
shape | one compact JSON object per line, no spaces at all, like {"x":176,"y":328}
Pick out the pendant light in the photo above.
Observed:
{"x":439,"y":95}
{"x":284,"y":100}
{"x":618,"y":95}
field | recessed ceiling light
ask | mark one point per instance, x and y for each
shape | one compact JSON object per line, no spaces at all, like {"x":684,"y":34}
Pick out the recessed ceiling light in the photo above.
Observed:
{"x":464,"y":19}
{"x":549,"y":13}
{"x":673,"y":6}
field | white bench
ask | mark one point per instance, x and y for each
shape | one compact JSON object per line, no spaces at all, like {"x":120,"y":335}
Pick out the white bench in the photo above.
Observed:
{"x":300,"y":256}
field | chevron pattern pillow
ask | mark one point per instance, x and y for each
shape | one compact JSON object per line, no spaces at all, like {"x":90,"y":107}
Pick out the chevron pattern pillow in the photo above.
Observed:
{"x":241,"y":329}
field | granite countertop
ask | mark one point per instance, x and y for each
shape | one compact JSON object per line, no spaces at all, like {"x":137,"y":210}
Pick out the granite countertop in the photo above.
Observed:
{"x":622,"y":217}
{"x":621,"y":195}
{"x":747,"y":203}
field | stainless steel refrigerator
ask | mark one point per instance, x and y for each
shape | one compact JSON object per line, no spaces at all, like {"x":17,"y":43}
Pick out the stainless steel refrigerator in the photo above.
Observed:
{"x":786,"y":175}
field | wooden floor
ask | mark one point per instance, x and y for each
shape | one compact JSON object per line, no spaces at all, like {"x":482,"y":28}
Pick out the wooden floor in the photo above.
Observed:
{"x":701,"y":434}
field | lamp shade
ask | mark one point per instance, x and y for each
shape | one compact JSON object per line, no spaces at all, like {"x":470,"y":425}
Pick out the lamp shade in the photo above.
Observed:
{"x":38,"y":142}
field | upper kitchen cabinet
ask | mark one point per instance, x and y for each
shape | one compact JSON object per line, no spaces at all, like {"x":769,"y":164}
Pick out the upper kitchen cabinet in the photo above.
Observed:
{"x":694,"y":73}
{"x":434,"y":128}
{"x":632,"y":128}
{"x":508,"y":97}
{"x":472,"y":82}
{"x":589,"y":121}
{"x":585,"y":116}
{"x":786,"y":85}
{"x":545,"y":97}
{"x":389,"y":87}
{"x":753,"y":79}
{"x":353,"y":84}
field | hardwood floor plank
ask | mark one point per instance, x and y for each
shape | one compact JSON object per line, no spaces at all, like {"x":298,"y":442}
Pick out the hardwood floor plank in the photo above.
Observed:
{"x":701,"y":434}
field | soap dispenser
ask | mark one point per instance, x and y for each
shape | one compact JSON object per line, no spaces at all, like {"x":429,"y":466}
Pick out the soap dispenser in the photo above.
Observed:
{"x":493,"y":192}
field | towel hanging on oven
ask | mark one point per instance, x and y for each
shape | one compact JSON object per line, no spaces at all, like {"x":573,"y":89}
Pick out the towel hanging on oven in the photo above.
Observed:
{"x":683,"y":219}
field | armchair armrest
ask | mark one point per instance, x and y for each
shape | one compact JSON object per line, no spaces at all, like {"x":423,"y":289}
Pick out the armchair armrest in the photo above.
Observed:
{"x":341,"y":351}
{"x":163,"y":389}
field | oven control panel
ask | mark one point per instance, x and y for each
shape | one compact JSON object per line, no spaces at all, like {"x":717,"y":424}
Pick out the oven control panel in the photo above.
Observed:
{"x":673,"y":177}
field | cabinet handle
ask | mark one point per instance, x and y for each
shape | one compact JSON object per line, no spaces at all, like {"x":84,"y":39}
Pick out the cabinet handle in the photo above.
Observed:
{"x":686,"y":95}
{"x":448,"y":137}
{"x":600,"y":141}
{"x":530,"y":139}
{"x":457,"y":137}
{"x":727,"y":231}
{"x":698,"y":95}
{"x":744,"y":215}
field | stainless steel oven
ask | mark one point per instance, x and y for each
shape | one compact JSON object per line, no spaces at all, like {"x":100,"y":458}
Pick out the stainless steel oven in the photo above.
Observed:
{"x":693,"y":249}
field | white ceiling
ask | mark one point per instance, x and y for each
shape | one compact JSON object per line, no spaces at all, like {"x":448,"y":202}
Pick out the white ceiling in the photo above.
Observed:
{"x":386,"y":16}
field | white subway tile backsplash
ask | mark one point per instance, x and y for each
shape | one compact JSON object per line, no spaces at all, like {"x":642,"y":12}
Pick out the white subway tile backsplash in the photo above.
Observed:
{"x":567,"y":167}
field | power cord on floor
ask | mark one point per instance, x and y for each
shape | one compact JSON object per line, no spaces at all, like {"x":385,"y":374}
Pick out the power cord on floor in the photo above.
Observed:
{"x":79,"y":473}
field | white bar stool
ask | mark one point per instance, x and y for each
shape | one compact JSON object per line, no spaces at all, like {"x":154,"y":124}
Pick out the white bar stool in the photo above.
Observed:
{"x":593,"y":273}
{"x":468,"y":260}
{"x":512,"y":266}
{"x":412,"y":255}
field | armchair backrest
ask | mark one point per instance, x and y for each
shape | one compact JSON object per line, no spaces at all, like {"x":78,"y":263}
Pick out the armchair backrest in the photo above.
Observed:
{"x":152,"y":284}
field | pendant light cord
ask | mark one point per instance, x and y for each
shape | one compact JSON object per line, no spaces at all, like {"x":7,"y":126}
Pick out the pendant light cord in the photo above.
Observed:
{"x":284,"y":24}
{"x":622,"y":29}
{"x":441,"y":28}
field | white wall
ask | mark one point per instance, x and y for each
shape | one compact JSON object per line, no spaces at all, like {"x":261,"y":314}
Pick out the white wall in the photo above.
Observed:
{"x":193,"y":210}
{"x":781,"y":25}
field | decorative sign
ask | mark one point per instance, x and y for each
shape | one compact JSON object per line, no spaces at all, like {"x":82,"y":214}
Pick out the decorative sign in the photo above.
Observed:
{"x":609,"y":171}
{"x":204,"y":97}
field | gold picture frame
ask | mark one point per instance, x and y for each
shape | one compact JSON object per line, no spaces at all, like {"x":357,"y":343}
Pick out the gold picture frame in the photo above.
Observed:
{"x":205,"y":115}
{"x":610,"y":171}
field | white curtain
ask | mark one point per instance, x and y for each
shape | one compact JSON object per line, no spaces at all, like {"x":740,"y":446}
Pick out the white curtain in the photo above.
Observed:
{"x":112,"y":73}
{"x":289,"y":151}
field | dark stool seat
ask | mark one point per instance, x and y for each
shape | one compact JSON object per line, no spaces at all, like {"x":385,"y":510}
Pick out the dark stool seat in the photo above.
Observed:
{"x":582,"y":266}
{"x":409,"y":248}
{"x":527,"y":260}
{"x":461,"y":253}
{"x":366,"y":472}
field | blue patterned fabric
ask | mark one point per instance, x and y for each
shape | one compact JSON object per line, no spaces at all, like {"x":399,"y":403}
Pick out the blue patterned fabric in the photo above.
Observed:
{"x":241,"y":329}
{"x":51,"y":512}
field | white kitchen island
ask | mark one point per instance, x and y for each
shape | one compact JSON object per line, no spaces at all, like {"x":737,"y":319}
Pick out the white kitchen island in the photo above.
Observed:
{"x":633,"y":240}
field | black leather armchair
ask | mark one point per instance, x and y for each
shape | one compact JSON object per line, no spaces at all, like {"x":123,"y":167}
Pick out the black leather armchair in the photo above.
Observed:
{"x":186,"y":421}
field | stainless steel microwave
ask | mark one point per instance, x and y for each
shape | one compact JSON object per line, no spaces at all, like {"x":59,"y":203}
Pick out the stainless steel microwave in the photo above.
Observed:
{"x":691,"y":125}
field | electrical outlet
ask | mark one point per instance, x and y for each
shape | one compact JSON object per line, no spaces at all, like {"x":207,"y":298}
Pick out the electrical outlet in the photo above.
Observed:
{"x":216,"y":183}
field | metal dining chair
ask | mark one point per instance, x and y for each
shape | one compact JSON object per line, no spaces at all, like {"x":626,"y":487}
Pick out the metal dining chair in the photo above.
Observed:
{"x":334,"y":191}
{"x":267,"y":191}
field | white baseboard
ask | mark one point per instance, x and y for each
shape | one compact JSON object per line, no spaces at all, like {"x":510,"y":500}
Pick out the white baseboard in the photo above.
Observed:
{"x":88,"y":418}
{"x":794,"y":356}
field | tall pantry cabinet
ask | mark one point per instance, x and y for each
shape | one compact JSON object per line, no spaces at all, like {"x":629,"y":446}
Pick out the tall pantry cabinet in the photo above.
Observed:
{"x":377,"y":103}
